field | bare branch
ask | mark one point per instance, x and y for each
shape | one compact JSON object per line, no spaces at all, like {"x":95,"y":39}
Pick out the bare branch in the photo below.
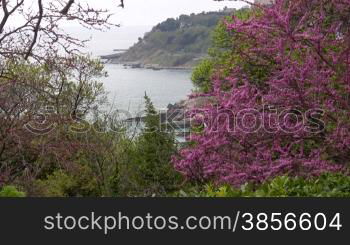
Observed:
{"x":65,"y":10}
{"x":36,"y":29}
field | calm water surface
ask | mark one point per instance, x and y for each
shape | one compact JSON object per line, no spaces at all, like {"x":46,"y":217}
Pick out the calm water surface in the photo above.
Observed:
{"x":127,"y":87}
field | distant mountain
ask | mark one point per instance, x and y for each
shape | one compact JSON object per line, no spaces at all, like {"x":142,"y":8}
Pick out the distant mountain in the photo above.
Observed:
{"x":174,"y":43}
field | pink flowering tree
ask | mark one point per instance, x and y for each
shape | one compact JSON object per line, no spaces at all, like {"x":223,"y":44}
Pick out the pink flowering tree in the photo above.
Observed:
{"x":285,"y":107}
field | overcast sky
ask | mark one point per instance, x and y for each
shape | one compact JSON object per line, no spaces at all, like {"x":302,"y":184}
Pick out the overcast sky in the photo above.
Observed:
{"x":138,"y":17}
{"x":152,"y":12}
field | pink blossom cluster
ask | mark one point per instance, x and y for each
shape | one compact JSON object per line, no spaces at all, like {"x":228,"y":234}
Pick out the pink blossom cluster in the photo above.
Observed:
{"x":303,"y":48}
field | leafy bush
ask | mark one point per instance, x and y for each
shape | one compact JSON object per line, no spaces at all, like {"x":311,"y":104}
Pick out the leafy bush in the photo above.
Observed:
{"x":201,"y":75}
{"x":11,"y":191}
{"x":63,"y":184}
{"x":327,"y":185}
{"x":221,"y":59}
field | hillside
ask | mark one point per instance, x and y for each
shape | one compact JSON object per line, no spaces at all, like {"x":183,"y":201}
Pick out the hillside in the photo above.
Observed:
{"x":174,"y":43}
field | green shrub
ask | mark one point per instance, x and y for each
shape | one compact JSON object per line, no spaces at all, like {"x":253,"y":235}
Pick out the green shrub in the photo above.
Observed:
{"x":201,"y":75}
{"x":63,"y":184}
{"x":148,"y":170}
{"x":327,"y":185}
{"x":11,"y":191}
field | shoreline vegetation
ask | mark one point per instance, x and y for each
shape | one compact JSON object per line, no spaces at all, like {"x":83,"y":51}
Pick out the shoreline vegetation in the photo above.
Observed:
{"x":175,"y":44}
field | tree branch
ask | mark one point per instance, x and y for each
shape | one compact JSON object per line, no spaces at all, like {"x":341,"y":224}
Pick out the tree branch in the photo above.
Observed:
{"x":36,"y":29}
{"x":65,"y":10}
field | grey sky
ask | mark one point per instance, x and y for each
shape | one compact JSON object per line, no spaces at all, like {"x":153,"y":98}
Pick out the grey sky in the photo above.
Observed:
{"x":138,"y":17}
{"x":151,"y":12}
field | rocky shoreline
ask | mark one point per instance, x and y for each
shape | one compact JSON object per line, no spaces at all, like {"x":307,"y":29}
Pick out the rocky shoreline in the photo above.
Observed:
{"x":116,"y":60}
{"x":155,"y":67}
{"x":139,"y":65}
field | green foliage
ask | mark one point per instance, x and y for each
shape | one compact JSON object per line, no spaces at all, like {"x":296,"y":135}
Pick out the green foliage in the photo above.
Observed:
{"x":154,"y":149}
{"x":221,"y":41}
{"x":66,"y":184}
{"x":201,"y":75}
{"x":59,"y":184}
{"x":168,"y":25}
{"x":224,"y":55}
{"x":65,"y":93}
{"x":327,"y":185}
{"x":11,"y":191}
{"x":220,"y":57}
{"x":147,"y":170}
{"x":180,"y":42}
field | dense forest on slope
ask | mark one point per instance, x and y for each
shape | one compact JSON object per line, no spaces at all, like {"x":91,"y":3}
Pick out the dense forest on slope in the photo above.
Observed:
{"x":180,"y":42}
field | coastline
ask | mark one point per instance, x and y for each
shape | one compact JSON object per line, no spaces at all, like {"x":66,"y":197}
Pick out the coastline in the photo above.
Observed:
{"x":139,"y":65}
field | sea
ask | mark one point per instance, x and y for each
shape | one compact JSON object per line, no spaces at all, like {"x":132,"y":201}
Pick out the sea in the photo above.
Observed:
{"x":126,"y":87}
